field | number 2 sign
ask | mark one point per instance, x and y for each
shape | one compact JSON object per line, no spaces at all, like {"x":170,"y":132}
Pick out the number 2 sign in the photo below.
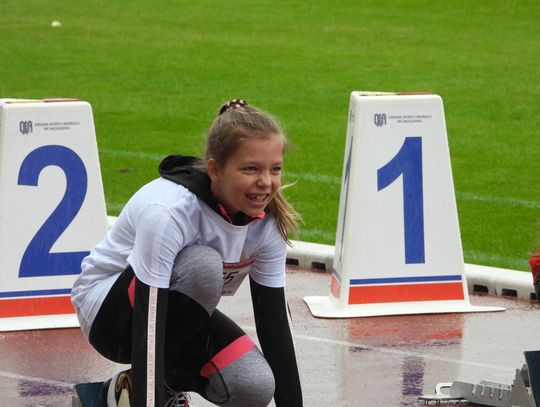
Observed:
{"x":37,"y":259}
{"x":52,"y":209}
{"x":398,"y":246}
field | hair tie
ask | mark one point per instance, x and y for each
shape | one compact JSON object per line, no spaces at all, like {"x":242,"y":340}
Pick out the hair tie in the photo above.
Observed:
{"x":232,"y":104}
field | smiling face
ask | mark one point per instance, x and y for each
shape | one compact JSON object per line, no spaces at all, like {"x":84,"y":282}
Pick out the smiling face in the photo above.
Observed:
{"x":251,"y":176}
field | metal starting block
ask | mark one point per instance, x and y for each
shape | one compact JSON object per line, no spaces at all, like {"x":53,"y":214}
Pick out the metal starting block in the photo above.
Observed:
{"x":524,"y":392}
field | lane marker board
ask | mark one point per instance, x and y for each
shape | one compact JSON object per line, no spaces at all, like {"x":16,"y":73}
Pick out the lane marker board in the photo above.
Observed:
{"x":398,"y":247}
{"x":52,"y":208}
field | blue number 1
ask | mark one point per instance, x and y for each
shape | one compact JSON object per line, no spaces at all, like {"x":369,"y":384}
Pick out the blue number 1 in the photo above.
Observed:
{"x":37,"y":261}
{"x":408,"y":162}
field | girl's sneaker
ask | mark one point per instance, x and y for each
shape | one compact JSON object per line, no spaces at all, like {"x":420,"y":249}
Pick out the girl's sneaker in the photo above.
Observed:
{"x":117,"y":390}
{"x":176,"y":399}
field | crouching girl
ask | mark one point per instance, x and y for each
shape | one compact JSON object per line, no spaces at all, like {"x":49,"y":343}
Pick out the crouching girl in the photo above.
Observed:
{"x":148,"y":293}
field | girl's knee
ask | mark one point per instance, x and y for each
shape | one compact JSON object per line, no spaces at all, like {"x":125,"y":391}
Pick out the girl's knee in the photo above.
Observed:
{"x":198,"y":273}
{"x":256,"y":391}
{"x":247,"y":382}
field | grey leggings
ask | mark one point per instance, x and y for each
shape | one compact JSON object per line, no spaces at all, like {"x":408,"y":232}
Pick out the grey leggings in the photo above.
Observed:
{"x":236,"y":371}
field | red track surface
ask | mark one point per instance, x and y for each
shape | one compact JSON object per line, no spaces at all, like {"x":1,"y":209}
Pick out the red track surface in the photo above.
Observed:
{"x":378,"y":361}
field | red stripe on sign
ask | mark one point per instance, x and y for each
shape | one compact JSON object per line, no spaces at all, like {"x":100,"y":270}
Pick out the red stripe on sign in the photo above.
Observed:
{"x":26,"y":307}
{"x":405,"y":293}
{"x":335,"y":287}
{"x":234,"y":351}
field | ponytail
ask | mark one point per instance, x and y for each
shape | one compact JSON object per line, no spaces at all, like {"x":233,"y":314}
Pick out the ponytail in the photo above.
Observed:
{"x":287,"y":218}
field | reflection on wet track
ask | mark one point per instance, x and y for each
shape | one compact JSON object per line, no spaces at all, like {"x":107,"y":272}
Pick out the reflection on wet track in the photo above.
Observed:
{"x":377,"y":361}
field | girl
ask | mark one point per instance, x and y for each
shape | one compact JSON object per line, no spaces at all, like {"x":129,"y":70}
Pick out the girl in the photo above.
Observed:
{"x":147,"y":294}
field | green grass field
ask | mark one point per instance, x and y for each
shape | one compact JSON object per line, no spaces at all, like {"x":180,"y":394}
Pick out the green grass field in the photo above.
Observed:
{"x":156,"y":72}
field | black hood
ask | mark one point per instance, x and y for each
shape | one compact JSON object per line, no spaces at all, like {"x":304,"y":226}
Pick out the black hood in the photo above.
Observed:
{"x":191,"y":173}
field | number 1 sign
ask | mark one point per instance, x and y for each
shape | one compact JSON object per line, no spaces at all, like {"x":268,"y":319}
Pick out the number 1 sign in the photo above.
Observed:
{"x":52,"y":210}
{"x":398,"y":247}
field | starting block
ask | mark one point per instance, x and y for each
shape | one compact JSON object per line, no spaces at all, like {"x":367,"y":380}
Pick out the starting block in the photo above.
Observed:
{"x":398,"y":246}
{"x":88,"y":395}
{"x":524,"y":392}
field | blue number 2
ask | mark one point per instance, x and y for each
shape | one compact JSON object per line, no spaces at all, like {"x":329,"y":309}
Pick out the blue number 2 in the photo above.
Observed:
{"x":37,"y":261}
{"x":408,"y":162}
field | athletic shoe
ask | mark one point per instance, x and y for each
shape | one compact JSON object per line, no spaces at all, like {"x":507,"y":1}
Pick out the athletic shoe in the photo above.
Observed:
{"x":176,"y":399}
{"x":118,"y":390}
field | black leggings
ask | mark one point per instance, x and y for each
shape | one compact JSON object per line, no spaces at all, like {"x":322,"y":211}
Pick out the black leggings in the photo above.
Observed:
{"x":204,"y":352}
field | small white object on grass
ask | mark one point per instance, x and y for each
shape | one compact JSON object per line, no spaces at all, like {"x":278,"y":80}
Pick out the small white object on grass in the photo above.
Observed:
{"x":56,"y":24}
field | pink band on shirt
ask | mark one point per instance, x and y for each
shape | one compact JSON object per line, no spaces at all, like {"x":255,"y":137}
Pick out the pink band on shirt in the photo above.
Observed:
{"x":234,"y":351}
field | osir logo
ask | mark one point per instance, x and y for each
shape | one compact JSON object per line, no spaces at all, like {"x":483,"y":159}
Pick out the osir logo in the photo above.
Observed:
{"x":26,"y":127}
{"x":379,"y":119}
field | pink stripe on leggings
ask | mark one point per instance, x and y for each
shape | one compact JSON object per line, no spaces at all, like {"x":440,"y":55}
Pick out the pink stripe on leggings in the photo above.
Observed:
{"x":233,"y":351}
{"x":131,"y":292}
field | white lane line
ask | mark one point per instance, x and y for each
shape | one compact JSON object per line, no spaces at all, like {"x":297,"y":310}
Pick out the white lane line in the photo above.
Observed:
{"x":513,"y":202}
{"x":473,"y":256}
{"x":55,"y":383}
{"x":318,"y":234}
{"x":326,"y":179}
{"x":403,"y":353}
{"x":132,"y":154}
{"x":114,"y":207}
{"x":336,"y":180}
{"x":395,"y":352}
{"x":519,"y":263}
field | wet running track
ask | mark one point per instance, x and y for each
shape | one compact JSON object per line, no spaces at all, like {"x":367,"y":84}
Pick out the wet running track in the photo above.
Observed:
{"x":360,"y":362}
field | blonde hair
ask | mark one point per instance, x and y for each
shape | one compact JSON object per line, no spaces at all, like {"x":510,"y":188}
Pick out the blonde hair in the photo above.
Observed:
{"x":236,"y":123}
